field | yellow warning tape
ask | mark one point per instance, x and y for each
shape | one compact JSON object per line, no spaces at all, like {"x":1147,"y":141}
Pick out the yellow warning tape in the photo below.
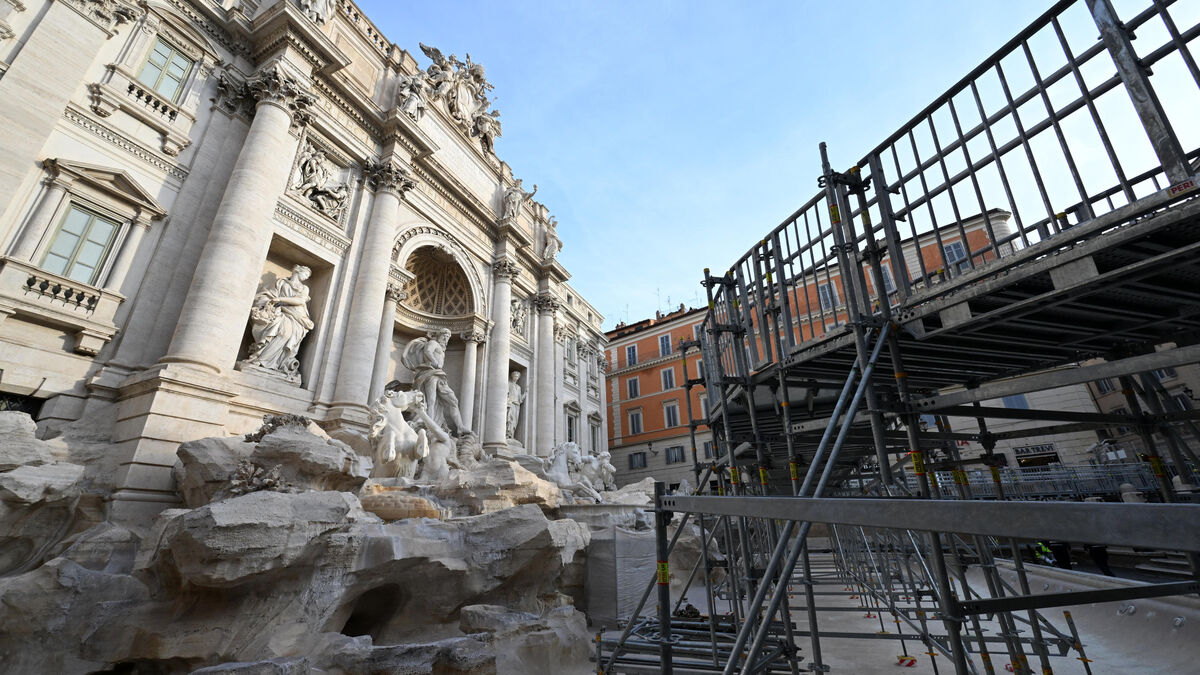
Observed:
{"x":762,"y":475}
{"x":1156,"y":464}
{"x":918,"y":463}
{"x":794,"y":470}
{"x":664,"y":573}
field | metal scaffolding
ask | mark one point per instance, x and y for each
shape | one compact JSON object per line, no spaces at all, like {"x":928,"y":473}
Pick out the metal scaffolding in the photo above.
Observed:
{"x":1013,"y":237}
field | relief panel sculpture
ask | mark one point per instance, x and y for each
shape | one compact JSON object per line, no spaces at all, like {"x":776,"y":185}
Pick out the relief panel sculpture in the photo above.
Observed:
{"x":313,"y":180}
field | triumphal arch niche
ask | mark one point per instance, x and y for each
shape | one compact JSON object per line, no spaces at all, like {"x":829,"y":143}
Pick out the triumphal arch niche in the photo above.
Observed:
{"x":268,"y":206}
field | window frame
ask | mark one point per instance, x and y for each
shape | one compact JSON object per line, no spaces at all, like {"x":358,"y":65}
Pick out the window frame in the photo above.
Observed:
{"x":827,"y":296}
{"x":889,"y":284}
{"x":105,"y":259}
{"x":664,"y":345}
{"x":678,"y":452}
{"x":172,"y":51}
{"x":572,"y":427}
{"x":631,"y":355}
{"x":1164,"y":374}
{"x":671,"y":406}
{"x":633,"y":388}
{"x":665,"y":374}
{"x":1105,"y":386}
{"x":961,"y":263}
{"x":1017,"y":399}
{"x":631,"y":417}
{"x":638,"y":460}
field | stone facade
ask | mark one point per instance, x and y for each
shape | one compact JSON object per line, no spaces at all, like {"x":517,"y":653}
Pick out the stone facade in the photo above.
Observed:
{"x":182,"y":183}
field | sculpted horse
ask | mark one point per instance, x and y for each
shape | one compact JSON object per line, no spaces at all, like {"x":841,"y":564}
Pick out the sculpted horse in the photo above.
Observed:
{"x":397,"y":447}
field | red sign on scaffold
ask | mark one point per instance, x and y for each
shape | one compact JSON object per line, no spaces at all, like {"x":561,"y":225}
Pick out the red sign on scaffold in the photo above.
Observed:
{"x":1180,"y":188}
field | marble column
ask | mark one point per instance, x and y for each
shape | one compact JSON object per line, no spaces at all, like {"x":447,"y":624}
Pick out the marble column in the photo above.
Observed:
{"x":120,"y":268}
{"x":390,"y":181}
{"x":466,"y":395}
{"x":546,"y":307}
{"x":383,"y":349}
{"x":40,"y":221}
{"x":495,"y":411}
{"x":213,"y":318}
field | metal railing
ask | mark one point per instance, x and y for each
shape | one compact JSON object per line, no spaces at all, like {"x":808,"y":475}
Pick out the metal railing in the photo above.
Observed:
{"x":1054,"y":141}
{"x":1053,"y":130}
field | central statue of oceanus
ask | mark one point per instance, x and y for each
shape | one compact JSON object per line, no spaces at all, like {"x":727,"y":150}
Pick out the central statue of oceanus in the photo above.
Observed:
{"x":426,"y":357}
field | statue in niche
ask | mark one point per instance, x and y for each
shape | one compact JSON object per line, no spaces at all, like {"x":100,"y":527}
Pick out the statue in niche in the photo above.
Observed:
{"x":410,"y":97}
{"x":516,"y":396}
{"x":426,"y":357}
{"x":397,"y":447}
{"x":520,"y":316}
{"x":487,"y":128}
{"x":553,"y":243}
{"x":317,"y":11}
{"x":313,"y":181}
{"x":279,"y":322}
{"x":514,"y":198}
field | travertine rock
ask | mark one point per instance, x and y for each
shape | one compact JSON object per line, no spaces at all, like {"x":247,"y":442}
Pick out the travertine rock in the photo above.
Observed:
{"x":393,"y":503}
{"x":493,"y":485}
{"x":231,"y":542}
{"x":19,"y":446}
{"x":48,"y":615}
{"x":556,"y":642}
{"x":302,"y":460}
{"x":640,"y":493}
{"x":298,"y":582}
{"x":468,"y":655}
{"x":38,"y":507}
{"x":686,"y":555}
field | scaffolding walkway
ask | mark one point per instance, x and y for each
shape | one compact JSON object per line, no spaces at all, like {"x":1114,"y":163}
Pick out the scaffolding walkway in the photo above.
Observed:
{"x":1036,"y":226}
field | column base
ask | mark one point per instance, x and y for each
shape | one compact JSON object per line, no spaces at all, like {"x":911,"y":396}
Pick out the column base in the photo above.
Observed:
{"x":156,"y":410}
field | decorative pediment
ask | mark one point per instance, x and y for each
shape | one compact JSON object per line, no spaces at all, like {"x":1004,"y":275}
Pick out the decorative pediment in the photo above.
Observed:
{"x":111,"y":182}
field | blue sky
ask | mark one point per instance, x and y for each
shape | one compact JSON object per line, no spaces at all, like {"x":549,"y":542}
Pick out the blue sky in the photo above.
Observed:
{"x":667,"y":136}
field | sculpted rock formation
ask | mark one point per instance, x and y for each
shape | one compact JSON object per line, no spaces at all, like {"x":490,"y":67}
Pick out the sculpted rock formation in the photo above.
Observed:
{"x":215,"y":468}
{"x":275,"y":566}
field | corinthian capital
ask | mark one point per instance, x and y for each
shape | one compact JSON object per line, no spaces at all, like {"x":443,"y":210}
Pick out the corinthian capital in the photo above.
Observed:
{"x":395,"y":294}
{"x":272,"y":85}
{"x":389,"y":177}
{"x":546,"y":303}
{"x":474,"y":335}
{"x":505,"y":270}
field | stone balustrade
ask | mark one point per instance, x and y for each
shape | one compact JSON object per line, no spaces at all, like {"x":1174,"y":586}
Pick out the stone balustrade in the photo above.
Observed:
{"x":85,"y":313}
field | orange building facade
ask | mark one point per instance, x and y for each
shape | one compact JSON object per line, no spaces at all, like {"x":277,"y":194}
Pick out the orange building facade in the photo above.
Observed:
{"x":648,"y":430}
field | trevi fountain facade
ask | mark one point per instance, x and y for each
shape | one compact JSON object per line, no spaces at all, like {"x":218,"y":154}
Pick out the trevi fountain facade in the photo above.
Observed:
{"x":293,"y":379}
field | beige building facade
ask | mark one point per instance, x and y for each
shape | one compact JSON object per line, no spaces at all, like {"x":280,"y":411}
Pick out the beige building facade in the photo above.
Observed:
{"x":213,"y":211}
